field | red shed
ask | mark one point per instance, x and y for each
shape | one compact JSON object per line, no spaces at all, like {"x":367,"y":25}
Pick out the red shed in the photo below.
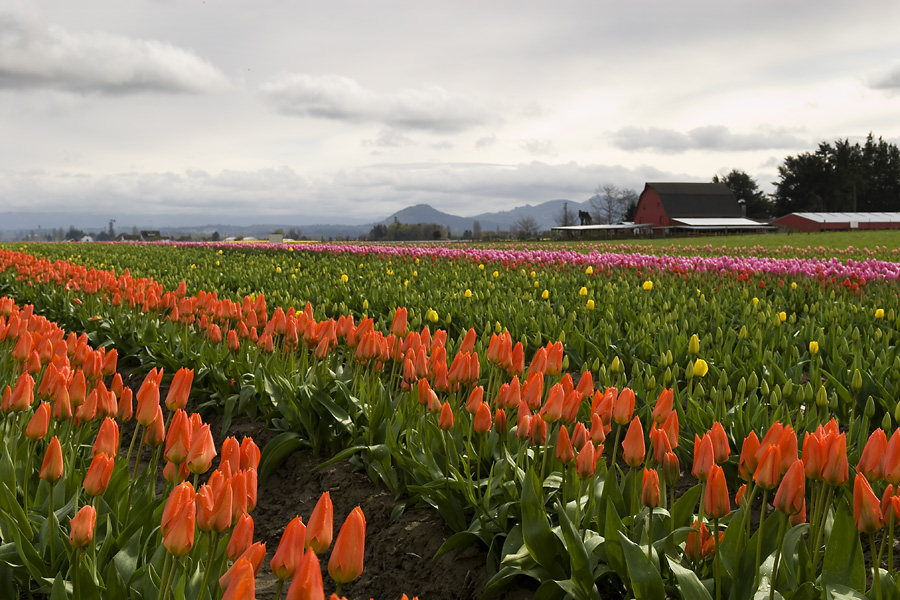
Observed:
{"x":830,"y":221}
{"x":662,"y":203}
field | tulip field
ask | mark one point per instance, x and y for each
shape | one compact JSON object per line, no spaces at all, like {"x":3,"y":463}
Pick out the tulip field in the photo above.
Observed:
{"x":642,"y":423}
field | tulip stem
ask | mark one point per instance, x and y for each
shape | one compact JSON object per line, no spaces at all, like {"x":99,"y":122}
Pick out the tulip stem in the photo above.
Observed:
{"x":76,"y":580}
{"x":164,"y":577}
{"x":53,"y":526}
{"x":26,"y":477}
{"x":781,"y":528}
{"x":762,"y":518}
{"x":631,"y":503}
{"x":277,"y":589}
{"x":876,"y":567}
{"x":650,"y":537}
{"x":616,"y":446}
{"x":213,"y":546}
{"x":716,"y":565}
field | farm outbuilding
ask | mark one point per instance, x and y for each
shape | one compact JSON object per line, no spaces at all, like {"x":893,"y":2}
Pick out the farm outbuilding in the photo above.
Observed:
{"x":692,"y":207}
{"x":837,"y":221}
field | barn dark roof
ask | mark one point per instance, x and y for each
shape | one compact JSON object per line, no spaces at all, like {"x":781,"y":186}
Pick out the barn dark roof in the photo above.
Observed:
{"x":696,"y":199}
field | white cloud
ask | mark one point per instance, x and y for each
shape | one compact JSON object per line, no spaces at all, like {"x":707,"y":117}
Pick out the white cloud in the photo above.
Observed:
{"x":389,"y":138}
{"x":334,"y":97}
{"x":34,"y":55}
{"x":709,"y":137}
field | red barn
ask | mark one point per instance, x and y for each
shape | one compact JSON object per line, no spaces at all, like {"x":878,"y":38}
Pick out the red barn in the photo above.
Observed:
{"x":691,"y":207}
{"x":830,"y":221}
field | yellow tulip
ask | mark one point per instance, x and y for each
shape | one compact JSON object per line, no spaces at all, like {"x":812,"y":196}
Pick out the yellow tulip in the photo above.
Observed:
{"x":582,"y":291}
{"x":344,"y":278}
{"x":590,"y":305}
{"x":648,"y":285}
{"x":468,"y":293}
{"x":814,"y":347}
{"x":589,"y":270}
{"x":545,"y":294}
{"x":700,"y":368}
{"x":879,"y":313}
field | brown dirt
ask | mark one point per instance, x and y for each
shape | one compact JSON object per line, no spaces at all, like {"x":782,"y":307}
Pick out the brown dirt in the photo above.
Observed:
{"x":398,"y":555}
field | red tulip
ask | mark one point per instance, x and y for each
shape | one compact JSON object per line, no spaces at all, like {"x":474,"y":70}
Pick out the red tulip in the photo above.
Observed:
{"x":671,"y":468}
{"x":346,"y":562}
{"x":500,"y":421}
{"x":319,"y":529}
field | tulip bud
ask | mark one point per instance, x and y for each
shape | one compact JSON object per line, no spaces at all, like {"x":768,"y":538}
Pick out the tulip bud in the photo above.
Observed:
{"x":82,"y":526}
{"x":241,"y":538}
{"x":290,"y":550}
{"x":633,"y":445}
{"x":52,"y":467}
{"x":98,"y":474}
{"x":346,"y":562}
{"x":650,"y":488}
{"x":319,"y":529}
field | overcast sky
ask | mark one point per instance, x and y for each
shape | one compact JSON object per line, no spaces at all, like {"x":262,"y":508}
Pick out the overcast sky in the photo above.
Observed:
{"x":362,"y":108}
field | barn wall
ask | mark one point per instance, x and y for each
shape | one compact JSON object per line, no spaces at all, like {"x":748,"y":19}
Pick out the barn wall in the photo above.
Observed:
{"x":650,"y":209}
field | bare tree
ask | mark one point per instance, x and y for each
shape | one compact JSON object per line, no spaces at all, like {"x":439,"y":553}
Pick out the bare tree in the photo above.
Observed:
{"x":565,"y":217}
{"x":605,"y":204}
{"x":476,"y":230}
{"x":526,"y":227}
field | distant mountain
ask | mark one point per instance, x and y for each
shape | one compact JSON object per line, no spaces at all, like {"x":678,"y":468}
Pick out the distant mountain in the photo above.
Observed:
{"x":22,"y":225}
{"x":545,"y":214}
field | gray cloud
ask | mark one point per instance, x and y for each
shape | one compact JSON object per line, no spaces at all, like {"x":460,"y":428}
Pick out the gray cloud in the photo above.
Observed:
{"x":339,"y":98}
{"x":710,"y":137}
{"x":486,"y":141}
{"x":34,"y":55}
{"x":389,"y":138}
{"x":366,"y":192}
{"x":885,"y":79}
{"x":538,"y":147}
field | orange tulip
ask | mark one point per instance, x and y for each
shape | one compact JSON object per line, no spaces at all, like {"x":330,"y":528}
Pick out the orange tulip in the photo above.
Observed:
{"x":23,"y":347}
{"x":319,"y":530}
{"x":214,"y":503}
{"x":553,"y":408}
{"x":126,"y":405}
{"x":633,"y":449}
{"x":585,"y":464}
{"x":538,"y":431}
{"x":147,"y":401}
{"x":231,"y":453}
{"x":178,"y":518}
{"x":534,"y":392}
{"x":787,"y":444}
{"x":23,"y":394}
{"x":835,"y":471}
{"x":482,"y":421}
{"x":39,"y":423}
{"x":178,"y":439}
{"x":307,"y":583}
{"x":872,"y":454}
{"x":290,"y":550}
{"x":155,"y":434}
{"x":445,"y":421}
{"x":721,"y":449}
{"x":476,"y":397}
{"x":650,"y":488}
{"x":242,"y":582}
{"x":890,"y":502}
{"x":107,"y":441}
{"x":791,"y":495}
{"x":241,"y":537}
{"x":500,"y":421}
{"x":716,"y":503}
{"x":254,"y":554}
{"x":82,"y":527}
{"x":748,"y":460}
{"x":663,"y":406}
{"x":180,"y":389}
{"x":768,"y":471}
{"x":890,"y":462}
{"x":579,"y":435}
{"x":110,"y":360}
{"x":671,"y":468}
{"x":660,"y":442}
{"x":98,"y":474}
{"x":586,"y":385}
{"x":62,"y":406}
{"x":52,"y":467}
{"x":670,"y":426}
{"x":866,"y":506}
{"x":704,"y":456}
{"x":565,"y":453}
{"x":346,"y":562}
{"x":87,"y":412}
{"x":398,"y":327}
{"x":598,"y":429}
{"x":623,"y":407}
{"x":202,"y":452}
{"x":175,"y":474}
{"x":250,"y":454}
{"x":707,"y":542}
